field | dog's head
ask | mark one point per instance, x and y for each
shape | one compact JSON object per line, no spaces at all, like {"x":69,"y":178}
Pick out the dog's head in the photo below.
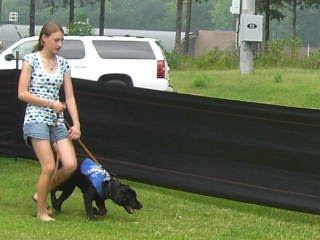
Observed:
{"x":123,"y":195}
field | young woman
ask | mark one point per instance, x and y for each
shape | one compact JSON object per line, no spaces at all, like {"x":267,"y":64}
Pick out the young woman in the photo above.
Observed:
{"x":43,"y":73}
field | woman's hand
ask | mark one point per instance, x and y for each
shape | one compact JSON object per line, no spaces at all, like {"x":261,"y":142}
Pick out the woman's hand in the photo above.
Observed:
{"x":58,"y":107}
{"x":74,"y":132}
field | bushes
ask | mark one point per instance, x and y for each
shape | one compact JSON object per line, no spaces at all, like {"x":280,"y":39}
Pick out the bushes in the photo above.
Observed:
{"x":80,"y":26}
{"x":274,"y":57}
{"x":281,"y":53}
{"x":312,"y":62}
{"x":211,"y":60}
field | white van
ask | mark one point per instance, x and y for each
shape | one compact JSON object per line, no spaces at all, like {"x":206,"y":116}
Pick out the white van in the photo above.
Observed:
{"x":118,"y":60}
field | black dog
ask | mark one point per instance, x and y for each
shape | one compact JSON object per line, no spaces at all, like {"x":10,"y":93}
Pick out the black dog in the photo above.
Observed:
{"x":100,"y":190}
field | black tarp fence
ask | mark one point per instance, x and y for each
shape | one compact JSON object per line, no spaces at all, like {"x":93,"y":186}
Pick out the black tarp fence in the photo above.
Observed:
{"x":249,"y":152}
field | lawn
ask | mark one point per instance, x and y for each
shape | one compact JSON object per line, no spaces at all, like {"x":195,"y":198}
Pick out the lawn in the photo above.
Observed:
{"x":287,"y":87}
{"x":167,"y":213}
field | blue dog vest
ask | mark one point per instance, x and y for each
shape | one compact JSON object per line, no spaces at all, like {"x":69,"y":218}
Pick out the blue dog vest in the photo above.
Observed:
{"x":96,"y":174}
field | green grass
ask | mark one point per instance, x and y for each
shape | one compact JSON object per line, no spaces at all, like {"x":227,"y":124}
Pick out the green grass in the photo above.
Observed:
{"x":287,"y":87}
{"x":167,"y":214}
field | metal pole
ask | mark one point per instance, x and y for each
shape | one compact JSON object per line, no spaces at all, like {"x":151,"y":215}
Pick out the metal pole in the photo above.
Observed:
{"x":246,"y":48}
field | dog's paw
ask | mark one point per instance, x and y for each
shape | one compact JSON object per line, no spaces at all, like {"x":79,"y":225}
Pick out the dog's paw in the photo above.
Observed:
{"x":92,"y":218}
{"x":95,"y":210}
{"x":99,"y":212}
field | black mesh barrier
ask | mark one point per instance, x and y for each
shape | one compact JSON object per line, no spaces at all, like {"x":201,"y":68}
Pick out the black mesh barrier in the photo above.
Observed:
{"x":249,"y":152}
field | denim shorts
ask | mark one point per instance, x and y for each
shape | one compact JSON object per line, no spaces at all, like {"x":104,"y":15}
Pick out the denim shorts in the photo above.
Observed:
{"x":45,"y":132}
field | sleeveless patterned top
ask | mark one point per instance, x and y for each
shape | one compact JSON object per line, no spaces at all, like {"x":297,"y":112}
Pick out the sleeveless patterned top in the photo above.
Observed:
{"x":44,"y":85}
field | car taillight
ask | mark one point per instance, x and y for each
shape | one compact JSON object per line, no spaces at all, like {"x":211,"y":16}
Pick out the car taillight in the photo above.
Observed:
{"x":161,"y":69}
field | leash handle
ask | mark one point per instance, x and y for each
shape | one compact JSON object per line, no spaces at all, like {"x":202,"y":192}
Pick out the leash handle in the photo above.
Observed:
{"x":84,"y":147}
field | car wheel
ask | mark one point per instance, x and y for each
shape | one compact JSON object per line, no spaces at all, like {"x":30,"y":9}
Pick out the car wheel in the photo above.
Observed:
{"x":116,"y":83}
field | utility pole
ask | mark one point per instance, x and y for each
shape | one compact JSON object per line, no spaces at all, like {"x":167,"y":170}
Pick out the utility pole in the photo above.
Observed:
{"x":0,"y":9}
{"x":246,"y":48}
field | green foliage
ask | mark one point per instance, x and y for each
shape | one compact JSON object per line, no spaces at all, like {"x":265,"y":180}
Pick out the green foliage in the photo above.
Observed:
{"x":312,"y":62}
{"x":274,"y":56}
{"x":212,"y":59}
{"x":200,"y":81}
{"x":276,"y":8}
{"x":216,"y":59}
{"x":278,"y":78}
{"x":280,"y":53}
{"x":284,"y":53}
{"x":294,"y":45}
{"x":80,"y":26}
{"x":220,"y":15}
{"x":178,"y":60}
{"x":125,"y":14}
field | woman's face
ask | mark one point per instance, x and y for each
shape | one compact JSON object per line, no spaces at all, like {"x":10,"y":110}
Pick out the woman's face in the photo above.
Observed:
{"x":53,"y":42}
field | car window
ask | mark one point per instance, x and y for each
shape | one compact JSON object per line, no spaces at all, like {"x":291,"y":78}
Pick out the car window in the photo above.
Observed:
{"x":72,"y":49}
{"x":110,"y":49}
{"x":24,"y":48}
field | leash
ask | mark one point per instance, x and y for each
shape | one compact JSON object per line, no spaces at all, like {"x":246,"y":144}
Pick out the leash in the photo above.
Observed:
{"x":84,"y":147}
{"x":57,"y":147}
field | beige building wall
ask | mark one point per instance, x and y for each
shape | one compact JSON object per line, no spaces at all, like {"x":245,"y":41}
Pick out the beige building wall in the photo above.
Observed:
{"x":207,"y":40}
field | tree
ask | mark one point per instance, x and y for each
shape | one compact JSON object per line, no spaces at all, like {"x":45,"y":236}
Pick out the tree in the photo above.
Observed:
{"x":179,"y":24}
{"x":101,"y":19}
{"x":80,"y":26}
{"x":177,"y":46}
{"x":272,"y":10}
{"x":221,"y":17}
{"x":32,"y":17}
{"x":302,"y":4}
{"x":71,"y":11}
{"x":0,"y":9}
{"x":82,"y":3}
{"x":188,"y":24}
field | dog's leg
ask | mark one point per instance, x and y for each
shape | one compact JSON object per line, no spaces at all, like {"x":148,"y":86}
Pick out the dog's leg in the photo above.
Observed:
{"x":101,"y":207}
{"x":57,"y":202}
{"x":88,"y":198}
{"x":54,"y":201}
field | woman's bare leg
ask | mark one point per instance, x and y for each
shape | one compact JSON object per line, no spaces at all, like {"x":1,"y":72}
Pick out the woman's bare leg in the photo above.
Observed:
{"x":66,"y":153}
{"x":45,"y":156}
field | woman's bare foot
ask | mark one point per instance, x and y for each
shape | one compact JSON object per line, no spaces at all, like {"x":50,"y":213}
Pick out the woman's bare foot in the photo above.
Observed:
{"x":35,"y":199}
{"x":45,"y":218}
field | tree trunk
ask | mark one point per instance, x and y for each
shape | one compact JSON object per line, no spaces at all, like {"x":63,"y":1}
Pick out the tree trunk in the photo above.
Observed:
{"x":177,"y":47}
{"x":294,"y":29}
{"x":188,"y":24}
{"x":294,"y":19}
{"x":102,"y":13}
{"x":0,"y":9}
{"x":71,"y":11}
{"x":267,"y":24}
{"x":32,"y":17}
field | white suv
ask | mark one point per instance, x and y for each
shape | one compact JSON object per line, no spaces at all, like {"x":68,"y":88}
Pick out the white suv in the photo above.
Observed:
{"x":125,"y":61}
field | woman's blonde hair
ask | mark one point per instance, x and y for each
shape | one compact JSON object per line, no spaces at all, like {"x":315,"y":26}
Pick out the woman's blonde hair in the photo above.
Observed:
{"x":47,"y":29}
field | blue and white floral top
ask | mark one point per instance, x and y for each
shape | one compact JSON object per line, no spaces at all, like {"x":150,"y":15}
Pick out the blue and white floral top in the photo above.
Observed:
{"x":47,"y":86}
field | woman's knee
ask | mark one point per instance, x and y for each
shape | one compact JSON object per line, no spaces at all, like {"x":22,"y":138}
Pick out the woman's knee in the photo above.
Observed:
{"x":70,"y":167}
{"x":48,"y":169}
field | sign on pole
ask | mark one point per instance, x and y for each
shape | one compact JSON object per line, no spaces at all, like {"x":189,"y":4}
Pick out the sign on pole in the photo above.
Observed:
{"x":13,"y":16}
